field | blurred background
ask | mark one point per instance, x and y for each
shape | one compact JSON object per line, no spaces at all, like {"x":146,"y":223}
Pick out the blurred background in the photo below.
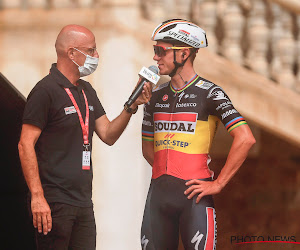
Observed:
{"x":253,"y":53}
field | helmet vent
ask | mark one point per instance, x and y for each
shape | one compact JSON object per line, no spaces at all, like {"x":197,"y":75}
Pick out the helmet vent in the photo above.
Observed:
{"x":168,"y":28}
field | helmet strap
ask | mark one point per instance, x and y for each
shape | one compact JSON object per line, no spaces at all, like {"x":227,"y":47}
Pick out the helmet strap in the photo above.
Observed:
{"x":177,"y":65}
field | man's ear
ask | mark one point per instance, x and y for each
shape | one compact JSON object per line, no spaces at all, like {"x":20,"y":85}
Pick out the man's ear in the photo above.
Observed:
{"x":184,"y":53}
{"x":70,"y":53}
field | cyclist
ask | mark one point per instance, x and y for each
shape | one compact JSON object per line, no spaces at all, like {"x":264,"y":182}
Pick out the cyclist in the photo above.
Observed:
{"x":179,"y":124}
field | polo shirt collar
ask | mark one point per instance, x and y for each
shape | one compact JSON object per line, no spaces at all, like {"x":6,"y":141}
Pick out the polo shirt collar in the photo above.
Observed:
{"x":62,"y":80}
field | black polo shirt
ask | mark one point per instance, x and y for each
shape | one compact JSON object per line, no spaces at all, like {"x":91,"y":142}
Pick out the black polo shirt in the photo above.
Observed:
{"x":60,"y":145}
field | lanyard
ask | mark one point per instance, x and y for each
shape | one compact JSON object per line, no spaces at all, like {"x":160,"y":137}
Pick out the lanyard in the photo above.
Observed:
{"x":84,"y":126}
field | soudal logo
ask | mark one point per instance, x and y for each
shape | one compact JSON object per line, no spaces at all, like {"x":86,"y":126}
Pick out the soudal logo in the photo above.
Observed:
{"x":183,"y":32}
{"x":162,"y":105}
{"x":165,"y":97}
{"x":178,"y":122}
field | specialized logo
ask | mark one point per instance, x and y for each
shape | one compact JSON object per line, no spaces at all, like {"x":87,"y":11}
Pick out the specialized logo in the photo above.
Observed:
{"x":196,"y":239}
{"x":165,"y":97}
{"x":183,"y":37}
{"x":175,"y":122}
{"x":204,"y":85}
{"x":218,"y":94}
{"x":70,"y":110}
{"x":180,"y":96}
{"x":144,"y":242}
{"x":228,"y":113}
{"x":162,"y":105}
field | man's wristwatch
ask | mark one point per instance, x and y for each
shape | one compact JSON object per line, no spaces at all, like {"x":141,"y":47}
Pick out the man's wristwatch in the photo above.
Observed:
{"x":130,"y":110}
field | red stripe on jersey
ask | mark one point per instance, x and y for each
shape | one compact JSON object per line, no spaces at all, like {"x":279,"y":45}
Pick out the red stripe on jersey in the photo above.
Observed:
{"x":180,"y":165}
{"x":148,"y":134}
{"x":190,"y":117}
{"x":210,"y":234}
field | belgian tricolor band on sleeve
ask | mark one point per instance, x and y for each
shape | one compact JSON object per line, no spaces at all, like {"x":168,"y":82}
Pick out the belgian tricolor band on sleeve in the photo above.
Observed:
{"x":236,"y":122}
{"x":147,"y":136}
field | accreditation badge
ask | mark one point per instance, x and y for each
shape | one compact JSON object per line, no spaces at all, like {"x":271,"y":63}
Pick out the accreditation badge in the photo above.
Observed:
{"x":86,"y":160}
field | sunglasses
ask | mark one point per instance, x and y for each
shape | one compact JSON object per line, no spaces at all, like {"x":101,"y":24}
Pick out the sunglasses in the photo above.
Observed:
{"x":160,"y":50}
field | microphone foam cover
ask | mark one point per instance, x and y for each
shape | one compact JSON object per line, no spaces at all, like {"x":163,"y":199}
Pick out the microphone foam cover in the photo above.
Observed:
{"x":154,"y":69}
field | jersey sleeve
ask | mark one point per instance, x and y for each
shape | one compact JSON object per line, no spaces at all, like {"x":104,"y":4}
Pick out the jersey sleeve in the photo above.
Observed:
{"x":99,"y":110}
{"x":37,"y":108}
{"x":148,"y":123}
{"x":221,"y":106}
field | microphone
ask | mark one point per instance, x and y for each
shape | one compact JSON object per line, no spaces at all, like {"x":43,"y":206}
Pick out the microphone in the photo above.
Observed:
{"x":148,"y":75}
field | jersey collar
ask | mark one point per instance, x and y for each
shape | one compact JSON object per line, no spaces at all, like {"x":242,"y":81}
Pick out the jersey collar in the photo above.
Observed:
{"x":189,"y":83}
{"x":62,"y":80}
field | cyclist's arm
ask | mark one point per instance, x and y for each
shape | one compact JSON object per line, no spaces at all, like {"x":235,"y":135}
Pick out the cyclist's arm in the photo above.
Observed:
{"x":242,"y":142}
{"x":148,"y":151}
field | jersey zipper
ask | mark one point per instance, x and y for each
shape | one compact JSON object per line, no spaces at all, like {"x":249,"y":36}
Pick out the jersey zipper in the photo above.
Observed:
{"x":173,"y":108}
{"x":169,"y":132}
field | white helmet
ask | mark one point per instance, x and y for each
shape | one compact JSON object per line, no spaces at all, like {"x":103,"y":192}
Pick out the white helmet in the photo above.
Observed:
{"x":179,"y":30}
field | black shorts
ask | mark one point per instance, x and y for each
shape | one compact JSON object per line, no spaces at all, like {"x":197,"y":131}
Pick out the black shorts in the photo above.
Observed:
{"x":169,"y":212}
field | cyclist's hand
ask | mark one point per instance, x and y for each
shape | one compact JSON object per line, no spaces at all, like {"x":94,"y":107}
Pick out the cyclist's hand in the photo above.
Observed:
{"x":201,"y":188}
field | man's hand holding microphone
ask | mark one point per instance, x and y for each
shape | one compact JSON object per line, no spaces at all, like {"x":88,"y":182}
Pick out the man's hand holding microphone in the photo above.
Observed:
{"x":142,"y":92}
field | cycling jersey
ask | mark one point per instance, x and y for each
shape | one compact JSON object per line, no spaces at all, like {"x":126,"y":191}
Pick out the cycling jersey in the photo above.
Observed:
{"x":182,"y":124}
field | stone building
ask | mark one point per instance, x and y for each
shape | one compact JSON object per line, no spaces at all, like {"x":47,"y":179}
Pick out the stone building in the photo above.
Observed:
{"x":253,"y":53}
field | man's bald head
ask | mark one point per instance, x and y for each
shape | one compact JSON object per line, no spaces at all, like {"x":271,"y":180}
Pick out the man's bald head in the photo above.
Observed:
{"x":72,"y":36}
